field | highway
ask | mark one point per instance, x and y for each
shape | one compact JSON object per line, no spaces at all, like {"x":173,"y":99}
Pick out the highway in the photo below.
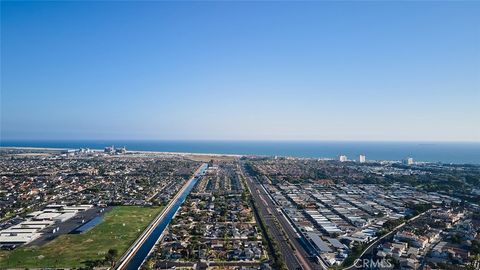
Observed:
{"x":295,"y":258}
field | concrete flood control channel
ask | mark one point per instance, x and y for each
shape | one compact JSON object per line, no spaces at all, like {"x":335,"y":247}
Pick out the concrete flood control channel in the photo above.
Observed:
{"x":137,"y":254}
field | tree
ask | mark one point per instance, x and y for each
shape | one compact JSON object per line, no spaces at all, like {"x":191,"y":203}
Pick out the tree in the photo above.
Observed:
{"x":111,"y":255}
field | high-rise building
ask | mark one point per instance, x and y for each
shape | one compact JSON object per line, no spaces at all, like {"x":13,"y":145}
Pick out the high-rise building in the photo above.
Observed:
{"x":408,"y":161}
{"x":362,"y":158}
{"x":343,"y":158}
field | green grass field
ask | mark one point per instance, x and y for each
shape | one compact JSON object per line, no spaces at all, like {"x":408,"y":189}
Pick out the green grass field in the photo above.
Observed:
{"x":119,"y":228}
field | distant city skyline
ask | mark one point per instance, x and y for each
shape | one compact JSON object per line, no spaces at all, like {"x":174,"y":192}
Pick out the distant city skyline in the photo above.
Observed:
{"x":355,"y":71}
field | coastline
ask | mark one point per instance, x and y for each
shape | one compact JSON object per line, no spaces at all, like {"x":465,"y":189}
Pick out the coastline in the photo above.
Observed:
{"x":445,"y":153}
{"x":129,"y":151}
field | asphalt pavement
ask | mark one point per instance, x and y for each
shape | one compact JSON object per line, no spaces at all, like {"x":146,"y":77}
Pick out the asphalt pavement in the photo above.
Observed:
{"x":67,"y":226}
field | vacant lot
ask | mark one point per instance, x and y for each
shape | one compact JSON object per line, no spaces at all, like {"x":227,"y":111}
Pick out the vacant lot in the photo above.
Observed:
{"x":119,"y":228}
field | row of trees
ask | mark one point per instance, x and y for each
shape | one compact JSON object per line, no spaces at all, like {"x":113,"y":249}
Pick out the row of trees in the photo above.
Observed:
{"x":278,"y":262}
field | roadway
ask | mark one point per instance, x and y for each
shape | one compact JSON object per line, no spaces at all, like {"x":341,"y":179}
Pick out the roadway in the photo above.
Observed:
{"x":427,"y":250}
{"x":295,"y":258}
{"x":375,"y":243}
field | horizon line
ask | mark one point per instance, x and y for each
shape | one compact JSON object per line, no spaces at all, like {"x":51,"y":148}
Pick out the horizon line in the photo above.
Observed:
{"x":236,"y":140}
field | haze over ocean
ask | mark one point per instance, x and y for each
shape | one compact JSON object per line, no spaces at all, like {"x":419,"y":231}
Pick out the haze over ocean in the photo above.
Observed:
{"x":445,"y":152}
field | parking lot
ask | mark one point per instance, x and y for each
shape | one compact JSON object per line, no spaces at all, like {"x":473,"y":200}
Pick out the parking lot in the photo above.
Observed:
{"x":68,"y":226}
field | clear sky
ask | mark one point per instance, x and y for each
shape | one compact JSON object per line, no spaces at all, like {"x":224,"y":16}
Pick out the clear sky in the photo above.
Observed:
{"x":241,"y":70}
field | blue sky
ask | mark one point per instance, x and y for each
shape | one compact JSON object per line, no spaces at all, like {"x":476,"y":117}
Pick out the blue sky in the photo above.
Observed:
{"x":241,"y":70}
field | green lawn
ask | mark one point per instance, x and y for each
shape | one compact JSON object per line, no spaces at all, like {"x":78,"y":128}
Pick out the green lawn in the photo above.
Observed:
{"x":119,"y":228}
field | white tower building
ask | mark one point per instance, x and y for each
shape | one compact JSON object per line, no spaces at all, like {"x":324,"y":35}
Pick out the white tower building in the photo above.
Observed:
{"x":408,"y":161}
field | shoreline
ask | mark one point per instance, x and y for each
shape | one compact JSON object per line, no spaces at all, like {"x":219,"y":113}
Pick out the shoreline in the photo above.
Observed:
{"x":128,"y":151}
{"x":260,"y":155}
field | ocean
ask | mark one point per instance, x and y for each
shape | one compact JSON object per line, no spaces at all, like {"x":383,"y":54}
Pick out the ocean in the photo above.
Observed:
{"x":445,"y":152}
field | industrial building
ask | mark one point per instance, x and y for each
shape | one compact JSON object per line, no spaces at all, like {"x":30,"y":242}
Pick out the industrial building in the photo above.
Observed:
{"x":31,"y":229}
